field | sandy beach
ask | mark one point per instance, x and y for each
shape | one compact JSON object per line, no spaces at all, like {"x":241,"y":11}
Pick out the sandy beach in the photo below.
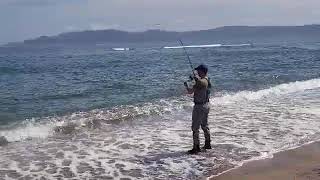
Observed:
{"x":302,"y":163}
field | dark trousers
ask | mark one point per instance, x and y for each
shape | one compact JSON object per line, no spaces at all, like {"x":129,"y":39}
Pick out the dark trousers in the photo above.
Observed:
{"x":200,"y":119}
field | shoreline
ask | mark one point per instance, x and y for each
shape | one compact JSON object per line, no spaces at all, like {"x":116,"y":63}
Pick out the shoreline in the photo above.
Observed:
{"x":301,"y":163}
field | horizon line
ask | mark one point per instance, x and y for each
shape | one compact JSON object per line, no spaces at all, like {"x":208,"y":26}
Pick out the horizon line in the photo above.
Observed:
{"x":159,"y":29}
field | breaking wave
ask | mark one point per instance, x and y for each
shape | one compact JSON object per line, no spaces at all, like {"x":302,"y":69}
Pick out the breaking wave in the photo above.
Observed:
{"x":279,"y":90}
{"x":44,"y":127}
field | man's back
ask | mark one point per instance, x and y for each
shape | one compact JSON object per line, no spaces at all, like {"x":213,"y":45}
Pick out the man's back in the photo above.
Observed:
{"x":201,"y":91}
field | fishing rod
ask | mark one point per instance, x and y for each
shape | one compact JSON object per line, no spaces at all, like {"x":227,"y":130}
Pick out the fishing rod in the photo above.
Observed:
{"x":190,"y":63}
{"x":185,"y":51}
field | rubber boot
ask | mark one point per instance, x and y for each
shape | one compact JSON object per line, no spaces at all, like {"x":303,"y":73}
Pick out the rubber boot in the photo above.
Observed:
{"x":207,"y":145}
{"x":195,"y":150}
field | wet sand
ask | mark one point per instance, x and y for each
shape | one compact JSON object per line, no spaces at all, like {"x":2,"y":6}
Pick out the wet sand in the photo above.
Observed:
{"x":302,"y":163}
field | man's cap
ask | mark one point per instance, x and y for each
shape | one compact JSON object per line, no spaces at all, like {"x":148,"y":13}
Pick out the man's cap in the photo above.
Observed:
{"x":202,"y":67}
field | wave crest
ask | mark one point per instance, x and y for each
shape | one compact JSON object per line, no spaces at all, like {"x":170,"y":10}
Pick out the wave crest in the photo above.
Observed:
{"x":279,"y":90}
{"x":44,"y":127}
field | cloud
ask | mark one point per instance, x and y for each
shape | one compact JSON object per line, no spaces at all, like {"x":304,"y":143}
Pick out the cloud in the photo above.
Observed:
{"x":71,"y":28}
{"x":102,"y":26}
{"x":29,"y":3}
{"x":32,"y":18}
{"x":36,"y":3}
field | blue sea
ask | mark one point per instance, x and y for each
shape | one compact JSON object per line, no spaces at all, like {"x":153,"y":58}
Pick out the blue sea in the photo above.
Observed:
{"x":89,"y":112}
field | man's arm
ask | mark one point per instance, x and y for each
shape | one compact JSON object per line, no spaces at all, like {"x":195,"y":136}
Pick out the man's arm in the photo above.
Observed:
{"x":189,"y":90}
{"x":201,"y":83}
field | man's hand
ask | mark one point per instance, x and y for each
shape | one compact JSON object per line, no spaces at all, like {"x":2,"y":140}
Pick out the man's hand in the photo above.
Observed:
{"x":190,"y":90}
{"x":196,"y":76}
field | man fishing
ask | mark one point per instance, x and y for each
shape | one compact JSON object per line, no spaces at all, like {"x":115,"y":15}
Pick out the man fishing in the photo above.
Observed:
{"x":201,"y":95}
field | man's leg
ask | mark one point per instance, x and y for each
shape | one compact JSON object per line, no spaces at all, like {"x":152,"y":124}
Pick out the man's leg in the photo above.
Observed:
{"x":205,"y":128}
{"x":196,"y":122}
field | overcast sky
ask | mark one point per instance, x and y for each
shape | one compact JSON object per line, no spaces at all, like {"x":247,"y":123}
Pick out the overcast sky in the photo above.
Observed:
{"x":23,"y":19}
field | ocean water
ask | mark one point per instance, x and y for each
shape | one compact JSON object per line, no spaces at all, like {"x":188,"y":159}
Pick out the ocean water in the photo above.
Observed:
{"x":87,"y":112}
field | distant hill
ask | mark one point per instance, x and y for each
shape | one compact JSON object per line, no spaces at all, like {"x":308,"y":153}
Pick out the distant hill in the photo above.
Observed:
{"x":221,"y":34}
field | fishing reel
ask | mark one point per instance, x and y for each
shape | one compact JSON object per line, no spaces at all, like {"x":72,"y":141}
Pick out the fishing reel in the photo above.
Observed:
{"x":190,"y":82}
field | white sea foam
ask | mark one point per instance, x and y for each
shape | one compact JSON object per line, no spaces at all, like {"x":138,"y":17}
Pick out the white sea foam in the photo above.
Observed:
{"x":235,"y":45}
{"x":206,"y":46}
{"x":44,"y":127}
{"x":121,"y":49}
{"x":153,"y":145}
{"x":193,"y":46}
{"x":273,"y":91}
{"x":28,"y":129}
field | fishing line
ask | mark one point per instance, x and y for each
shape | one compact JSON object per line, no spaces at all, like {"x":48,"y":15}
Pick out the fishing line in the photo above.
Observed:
{"x":185,"y":51}
{"x":181,"y":43}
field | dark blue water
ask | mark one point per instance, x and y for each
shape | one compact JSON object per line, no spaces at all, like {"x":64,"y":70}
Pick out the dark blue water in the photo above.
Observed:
{"x":46,"y":81}
{"x":87,"y":112}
